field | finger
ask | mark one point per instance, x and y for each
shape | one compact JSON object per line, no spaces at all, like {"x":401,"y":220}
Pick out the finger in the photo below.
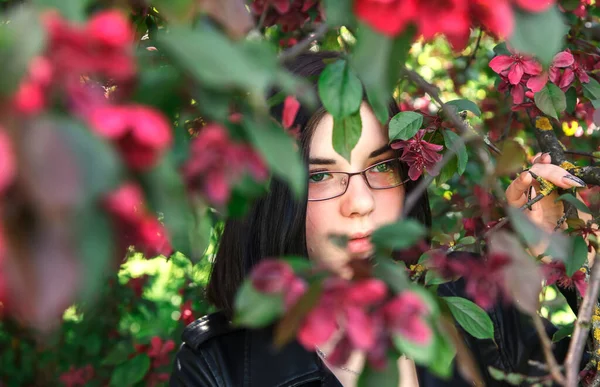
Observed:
{"x":557,"y":175}
{"x":542,"y":158}
{"x":534,"y":158}
{"x":515,"y":193}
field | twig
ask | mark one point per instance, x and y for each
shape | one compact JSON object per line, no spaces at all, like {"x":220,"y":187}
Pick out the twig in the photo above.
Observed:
{"x":582,"y":327}
{"x":304,"y":44}
{"x":585,"y":154}
{"x":547,"y":348}
{"x":508,"y":124}
{"x":474,"y":53}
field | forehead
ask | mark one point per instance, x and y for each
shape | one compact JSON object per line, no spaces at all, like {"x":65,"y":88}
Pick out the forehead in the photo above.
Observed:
{"x":373,"y":136}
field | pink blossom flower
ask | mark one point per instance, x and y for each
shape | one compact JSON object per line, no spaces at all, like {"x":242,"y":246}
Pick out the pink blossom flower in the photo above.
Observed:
{"x":555,"y":272}
{"x":77,"y":377}
{"x":290,"y":110}
{"x":561,"y":60}
{"x":515,"y":66}
{"x":271,"y":276}
{"x":418,"y":154}
{"x":347,"y":303}
{"x":159,"y":351}
{"x":141,"y":133}
{"x":8,"y":164}
{"x":110,"y":28}
{"x":187,"y":315}
{"x":216,"y":163}
{"x":406,"y":315}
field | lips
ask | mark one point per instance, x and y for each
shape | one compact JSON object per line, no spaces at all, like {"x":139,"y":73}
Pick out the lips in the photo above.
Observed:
{"x":360,"y":243}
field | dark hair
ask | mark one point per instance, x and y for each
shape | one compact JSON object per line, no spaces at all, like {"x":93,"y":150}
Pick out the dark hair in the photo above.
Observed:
{"x":275,"y":224}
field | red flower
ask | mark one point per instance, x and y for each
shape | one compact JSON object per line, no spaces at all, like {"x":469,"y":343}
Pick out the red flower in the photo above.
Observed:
{"x":514,"y":66}
{"x":159,"y":351}
{"x":484,"y":279}
{"x":406,"y":315}
{"x":77,"y":377}
{"x":561,"y":60}
{"x":418,"y":154}
{"x":290,"y":110}
{"x":216,"y":163}
{"x":448,"y":17}
{"x":187,"y":315}
{"x":110,"y":28}
{"x":141,"y":133}
{"x":348,"y":304}
{"x":136,"y":225}
{"x":8,"y":165}
{"x":555,"y":272}
{"x":271,"y":276}
{"x":390,"y":17}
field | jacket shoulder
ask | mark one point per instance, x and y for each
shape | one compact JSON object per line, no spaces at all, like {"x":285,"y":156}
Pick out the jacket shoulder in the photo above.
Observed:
{"x":205,"y":328}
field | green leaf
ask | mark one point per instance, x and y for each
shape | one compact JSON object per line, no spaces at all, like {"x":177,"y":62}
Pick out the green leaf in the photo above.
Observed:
{"x":339,"y":13}
{"x":581,"y":206}
{"x":496,"y":373}
{"x":551,"y":100}
{"x":400,"y":235}
{"x":471,"y":317}
{"x":591,"y":90}
{"x":166,"y":195}
{"x":299,"y":264}
{"x":96,"y":242}
{"x":511,"y":159}
{"x":118,"y":354}
{"x":22,"y":38}
{"x":571,"y":96}
{"x":71,"y":9}
{"x":421,"y":354}
{"x":392,"y":273}
{"x":562,"y":332}
{"x":130,"y":372}
{"x":340,"y":89}
{"x":449,"y":170}
{"x":254,"y":309}
{"x":234,"y":67}
{"x":346,"y":133}
{"x":578,"y":256}
{"x":442,"y":364}
{"x":175,"y":10}
{"x":387,"y":377}
{"x":279,"y":151}
{"x":540,"y":34}
{"x":405,"y":125}
{"x":465,"y":104}
{"x":377,"y":59}
{"x":453,"y":141}
{"x":501,"y":49}
{"x":432,"y":278}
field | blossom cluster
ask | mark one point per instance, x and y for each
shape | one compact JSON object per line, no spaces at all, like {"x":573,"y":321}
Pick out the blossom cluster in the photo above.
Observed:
{"x":290,"y":15}
{"x":418,"y":154}
{"x":363,"y":311}
{"x":135,"y":224}
{"x":216,"y":163}
{"x":452,"y":18}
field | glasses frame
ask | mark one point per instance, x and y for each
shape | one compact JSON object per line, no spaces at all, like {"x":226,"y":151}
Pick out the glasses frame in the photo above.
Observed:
{"x":364,"y":176}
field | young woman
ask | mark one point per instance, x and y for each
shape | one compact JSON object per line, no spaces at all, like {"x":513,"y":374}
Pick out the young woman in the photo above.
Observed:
{"x":353,"y":201}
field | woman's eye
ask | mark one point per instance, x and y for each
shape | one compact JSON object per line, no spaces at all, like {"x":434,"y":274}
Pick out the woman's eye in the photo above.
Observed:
{"x":383,"y":167}
{"x":318,"y":177}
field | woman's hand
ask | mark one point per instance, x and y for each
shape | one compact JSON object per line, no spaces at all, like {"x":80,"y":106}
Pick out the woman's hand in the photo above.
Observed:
{"x":546,"y":212}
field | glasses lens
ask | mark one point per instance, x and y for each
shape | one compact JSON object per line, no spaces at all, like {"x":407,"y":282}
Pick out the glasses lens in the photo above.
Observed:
{"x":385,"y":175}
{"x":325,"y":185}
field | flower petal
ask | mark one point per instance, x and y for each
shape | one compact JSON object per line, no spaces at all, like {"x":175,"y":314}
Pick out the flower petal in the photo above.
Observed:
{"x":501,"y":63}
{"x":359,"y":328}
{"x":515,"y":74}
{"x":318,"y":326}
{"x":534,"y":5}
{"x":563,"y":59}
{"x":538,"y":82}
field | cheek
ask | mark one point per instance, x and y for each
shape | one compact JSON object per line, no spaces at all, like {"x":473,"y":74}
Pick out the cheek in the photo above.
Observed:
{"x":318,"y":219}
{"x":388,"y":206}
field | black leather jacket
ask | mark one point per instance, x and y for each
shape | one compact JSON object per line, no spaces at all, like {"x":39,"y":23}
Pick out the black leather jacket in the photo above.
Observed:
{"x":213,"y":354}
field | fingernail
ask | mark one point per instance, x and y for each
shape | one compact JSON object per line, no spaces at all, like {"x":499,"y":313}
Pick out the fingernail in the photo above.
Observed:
{"x":574,"y":180}
{"x":545,"y":154}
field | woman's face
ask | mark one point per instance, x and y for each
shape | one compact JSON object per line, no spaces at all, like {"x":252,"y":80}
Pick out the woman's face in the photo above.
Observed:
{"x":361,"y":209}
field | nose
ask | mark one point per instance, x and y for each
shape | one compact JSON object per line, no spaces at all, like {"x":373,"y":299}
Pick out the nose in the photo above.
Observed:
{"x":358,"y":199}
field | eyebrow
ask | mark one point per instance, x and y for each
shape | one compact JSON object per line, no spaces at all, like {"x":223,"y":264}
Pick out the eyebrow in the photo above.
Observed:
{"x":375,"y":153}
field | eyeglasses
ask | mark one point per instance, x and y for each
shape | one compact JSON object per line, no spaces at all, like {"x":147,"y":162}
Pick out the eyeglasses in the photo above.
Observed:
{"x":324,"y":185}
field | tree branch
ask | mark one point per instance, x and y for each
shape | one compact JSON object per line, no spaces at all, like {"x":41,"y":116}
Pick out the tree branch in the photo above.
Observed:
{"x":553,"y":366}
{"x":304,"y":44}
{"x":582,"y":327}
